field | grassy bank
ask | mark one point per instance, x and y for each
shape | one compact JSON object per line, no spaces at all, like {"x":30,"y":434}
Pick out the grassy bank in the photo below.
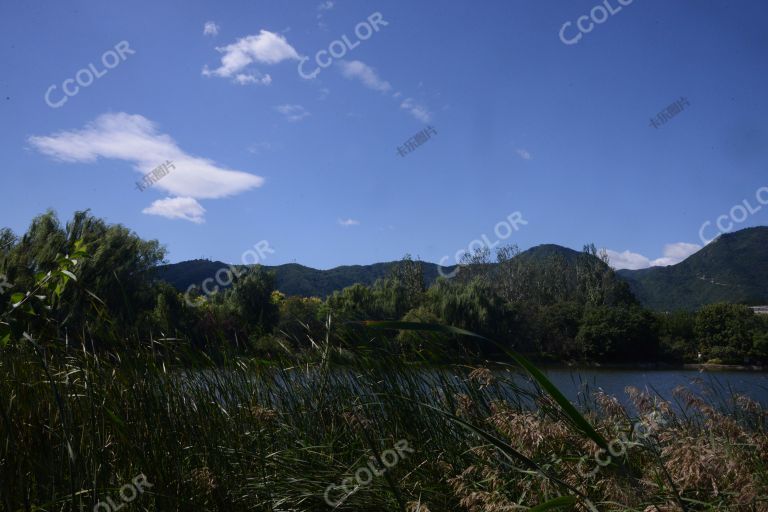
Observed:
{"x":242,"y":435}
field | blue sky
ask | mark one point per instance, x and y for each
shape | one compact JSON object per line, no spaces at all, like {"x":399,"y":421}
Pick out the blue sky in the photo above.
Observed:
{"x":524,"y":123}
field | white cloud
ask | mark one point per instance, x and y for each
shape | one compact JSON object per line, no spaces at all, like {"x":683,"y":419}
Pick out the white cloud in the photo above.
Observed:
{"x":324,"y":6}
{"x":627,"y":260}
{"x":210,"y":29}
{"x":266,"y":48}
{"x":360,"y":71}
{"x":135,"y":139}
{"x":357,"y":70}
{"x":673,"y":254}
{"x":524,"y":154}
{"x":418,"y":111}
{"x":177,"y":208}
{"x":293,"y":113}
{"x":348,"y":222}
{"x":252,"y":78}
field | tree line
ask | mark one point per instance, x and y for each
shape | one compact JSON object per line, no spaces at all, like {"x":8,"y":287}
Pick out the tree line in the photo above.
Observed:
{"x":554,"y":306}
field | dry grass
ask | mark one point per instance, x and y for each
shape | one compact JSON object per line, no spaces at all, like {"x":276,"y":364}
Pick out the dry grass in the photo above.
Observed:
{"x":245,"y":436}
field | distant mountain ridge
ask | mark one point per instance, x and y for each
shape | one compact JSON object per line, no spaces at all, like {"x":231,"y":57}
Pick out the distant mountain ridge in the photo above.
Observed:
{"x":733,"y":268}
{"x":292,"y":278}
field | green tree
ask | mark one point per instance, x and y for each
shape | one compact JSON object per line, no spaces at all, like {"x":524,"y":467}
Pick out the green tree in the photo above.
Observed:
{"x":617,"y":333}
{"x":409,"y":275}
{"x":726,"y":331}
{"x":677,"y":335}
{"x":252,"y":296}
{"x":113,"y":276}
{"x":354,"y":303}
{"x":300,"y":320}
{"x":476,"y":307}
{"x":557,"y":326}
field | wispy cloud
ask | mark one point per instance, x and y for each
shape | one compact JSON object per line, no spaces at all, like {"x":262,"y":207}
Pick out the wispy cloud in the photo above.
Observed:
{"x":177,"y":208}
{"x":366,"y":75}
{"x":420,"y":112}
{"x":265,"y":48}
{"x":292,"y":113}
{"x":357,"y":70}
{"x":524,"y":154}
{"x":673,"y":254}
{"x":627,"y":260}
{"x":136,"y":139}
{"x":252,"y":78}
{"x":210,"y":29}
{"x":327,"y":5}
{"x":348,"y":222}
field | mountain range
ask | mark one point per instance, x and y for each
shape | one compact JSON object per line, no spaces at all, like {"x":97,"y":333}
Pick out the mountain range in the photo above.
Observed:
{"x":733,"y":268}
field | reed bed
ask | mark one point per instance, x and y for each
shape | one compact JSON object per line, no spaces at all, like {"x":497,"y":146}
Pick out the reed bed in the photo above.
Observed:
{"x":240,"y":434}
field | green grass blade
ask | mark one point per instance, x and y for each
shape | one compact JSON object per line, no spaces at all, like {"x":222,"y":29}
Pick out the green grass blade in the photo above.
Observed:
{"x":560,"y":501}
{"x":567,"y":407}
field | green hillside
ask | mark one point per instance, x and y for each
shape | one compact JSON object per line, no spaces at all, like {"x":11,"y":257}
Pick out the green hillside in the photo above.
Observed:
{"x":733,"y":268}
{"x":291,"y":278}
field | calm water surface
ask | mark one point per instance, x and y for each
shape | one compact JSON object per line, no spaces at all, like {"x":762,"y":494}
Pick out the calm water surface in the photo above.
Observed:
{"x":573,"y":381}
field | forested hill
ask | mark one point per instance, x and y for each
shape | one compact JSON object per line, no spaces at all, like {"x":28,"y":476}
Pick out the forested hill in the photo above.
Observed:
{"x":292,"y":278}
{"x":734,"y":269}
{"x":295,"y":279}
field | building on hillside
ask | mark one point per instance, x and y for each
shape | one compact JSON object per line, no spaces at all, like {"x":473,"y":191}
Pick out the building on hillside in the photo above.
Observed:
{"x":760,"y":310}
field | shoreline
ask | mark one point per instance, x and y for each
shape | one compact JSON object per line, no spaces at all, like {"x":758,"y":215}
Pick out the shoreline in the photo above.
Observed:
{"x":652,"y":366}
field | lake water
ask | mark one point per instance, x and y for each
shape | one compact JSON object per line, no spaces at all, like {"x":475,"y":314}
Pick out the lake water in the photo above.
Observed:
{"x":572,"y":381}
